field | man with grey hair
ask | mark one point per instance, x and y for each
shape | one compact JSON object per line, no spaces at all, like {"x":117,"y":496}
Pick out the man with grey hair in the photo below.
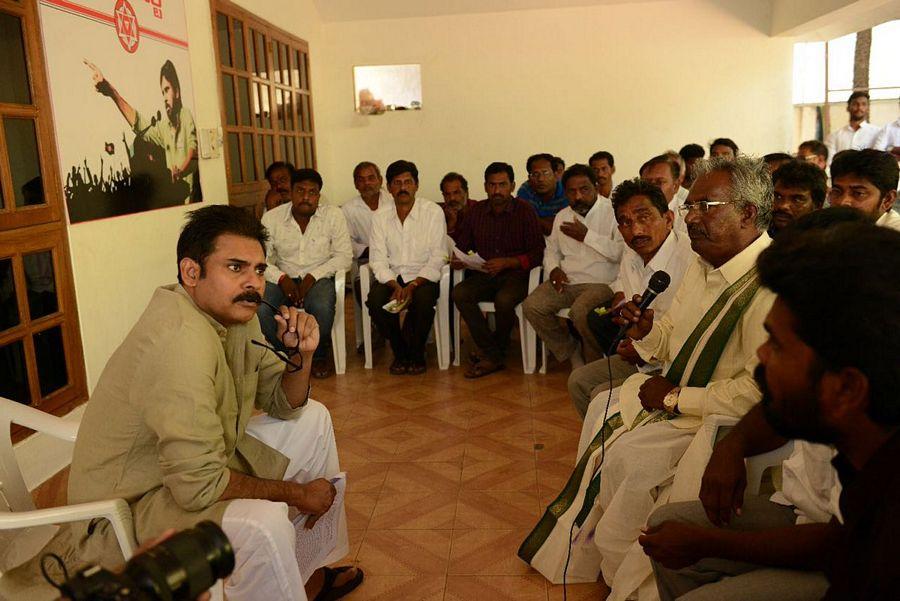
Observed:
{"x":647,"y":438}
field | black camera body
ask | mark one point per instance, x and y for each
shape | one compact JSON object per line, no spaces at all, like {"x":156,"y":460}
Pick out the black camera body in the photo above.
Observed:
{"x":179,"y":568}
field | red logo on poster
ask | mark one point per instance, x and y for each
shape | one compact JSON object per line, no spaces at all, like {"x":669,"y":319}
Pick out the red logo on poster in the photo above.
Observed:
{"x":126,"y":26}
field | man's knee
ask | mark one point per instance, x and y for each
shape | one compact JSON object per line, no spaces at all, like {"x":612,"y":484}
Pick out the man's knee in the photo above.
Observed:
{"x":508,"y":298}
{"x":322,"y":296}
{"x":257,"y":524}
{"x":579,"y":389}
{"x":463,"y":293}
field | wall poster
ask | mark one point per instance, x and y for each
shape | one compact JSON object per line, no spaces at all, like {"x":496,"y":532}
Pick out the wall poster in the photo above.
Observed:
{"x":120,"y":85}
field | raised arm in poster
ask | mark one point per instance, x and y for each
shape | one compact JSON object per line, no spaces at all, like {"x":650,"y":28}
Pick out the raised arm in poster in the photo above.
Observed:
{"x":130,"y":53}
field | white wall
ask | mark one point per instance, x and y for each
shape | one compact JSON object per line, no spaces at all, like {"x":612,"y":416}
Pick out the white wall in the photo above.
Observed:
{"x":118,"y":262}
{"x":634,"y":79}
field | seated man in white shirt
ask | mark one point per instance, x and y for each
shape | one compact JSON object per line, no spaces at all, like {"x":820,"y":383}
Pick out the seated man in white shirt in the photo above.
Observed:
{"x":889,"y":139}
{"x":358,"y":211}
{"x":407,"y":250}
{"x":664,"y":173}
{"x":307,"y":245}
{"x":858,"y":133}
{"x":645,"y":222}
{"x":866,"y":180}
{"x":581,"y":259}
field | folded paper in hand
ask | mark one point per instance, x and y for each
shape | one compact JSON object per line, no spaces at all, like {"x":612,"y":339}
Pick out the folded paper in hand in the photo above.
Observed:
{"x":473,"y":261}
{"x":315,"y":544}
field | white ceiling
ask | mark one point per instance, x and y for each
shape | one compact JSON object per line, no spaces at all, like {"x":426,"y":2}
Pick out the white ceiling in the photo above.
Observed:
{"x":362,"y":10}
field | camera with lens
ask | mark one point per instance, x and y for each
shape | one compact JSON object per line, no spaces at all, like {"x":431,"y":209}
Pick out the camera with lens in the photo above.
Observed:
{"x":179,"y":568}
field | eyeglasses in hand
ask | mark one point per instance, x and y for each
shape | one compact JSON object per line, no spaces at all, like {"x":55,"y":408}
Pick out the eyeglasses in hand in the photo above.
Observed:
{"x":292,"y":351}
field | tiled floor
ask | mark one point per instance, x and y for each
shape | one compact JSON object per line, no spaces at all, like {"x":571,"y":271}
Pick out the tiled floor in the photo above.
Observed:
{"x":446,"y":476}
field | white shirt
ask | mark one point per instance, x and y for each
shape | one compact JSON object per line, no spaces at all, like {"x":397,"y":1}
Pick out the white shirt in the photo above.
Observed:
{"x":596,"y":259}
{"x":810,"y":483}
{"x":673,"y":257}
{"x":890,"y":219}
{"x":321,"y":251}
{"x":888,"y":137}
{"x":414,"y":248}
{"x":359,"y":220}
{"x":677,"y":201}
{"x":846,"y":138}
{"x":732,"y":389}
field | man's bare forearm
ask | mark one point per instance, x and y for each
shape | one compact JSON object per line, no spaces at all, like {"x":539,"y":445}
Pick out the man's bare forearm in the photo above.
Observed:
{"x":296,"y":384}
{"x":804,"y":547}
{"x":243,"y":486}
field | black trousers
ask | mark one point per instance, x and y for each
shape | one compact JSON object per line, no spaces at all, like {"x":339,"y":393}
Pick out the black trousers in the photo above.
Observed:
{"x":505,"y":290}
{"x":408,"y":342}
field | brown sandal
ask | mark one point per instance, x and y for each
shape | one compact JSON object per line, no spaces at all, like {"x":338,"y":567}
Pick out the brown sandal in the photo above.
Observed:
{"x":483,"y":368}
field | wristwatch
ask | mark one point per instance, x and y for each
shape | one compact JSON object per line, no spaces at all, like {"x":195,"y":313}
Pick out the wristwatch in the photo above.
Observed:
{"x":670,"y":401}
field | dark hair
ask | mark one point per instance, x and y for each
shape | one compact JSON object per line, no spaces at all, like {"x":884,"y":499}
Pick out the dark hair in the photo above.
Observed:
{"x":840,"y":262}
{"x":168,"y":71}
{"x":557,"y":163}
{"x":724,"y":142}
{"x":815,"y":147}
{"x":198,"y":236}
{"x":400,"y":167}
{"x":360,"y":166}
{"x":858,"y":94}
{"x":576,"y":170}
{"x":306,"y":175}
{"x":777,"y":157}
{"x":638,"y":187}
{"x":541,"y":156}
{"x":454,"y":177}
{"x":879,"y":167}
{"x":278,"y":165}
{"x":662,"y":160}
{"x":602,"y":155}
{"x":692,"y":151}
{"x":498,"y":167}
{"x":803,"y":175}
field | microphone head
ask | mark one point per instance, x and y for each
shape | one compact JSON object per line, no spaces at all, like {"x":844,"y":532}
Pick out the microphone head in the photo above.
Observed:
{"x":659,"y":281}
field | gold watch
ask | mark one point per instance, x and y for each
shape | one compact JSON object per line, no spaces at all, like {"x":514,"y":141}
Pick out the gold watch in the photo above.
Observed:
{"x":670,"y":401}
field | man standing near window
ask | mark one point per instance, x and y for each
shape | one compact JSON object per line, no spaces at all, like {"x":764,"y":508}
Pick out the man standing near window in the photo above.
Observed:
{"x":858,"y":133}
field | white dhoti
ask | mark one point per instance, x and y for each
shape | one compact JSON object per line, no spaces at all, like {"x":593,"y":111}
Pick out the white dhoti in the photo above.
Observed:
{"x":261,"y":532}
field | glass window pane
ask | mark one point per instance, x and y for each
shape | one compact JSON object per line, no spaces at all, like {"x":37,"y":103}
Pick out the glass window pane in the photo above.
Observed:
{"x":256,"y":107}
{"x":285,"y":67}
{"x":228,"y":93}
{"x":41,"y":284}
{"x":285,"y":143}
{"x":257,"y":149}
{"x":266,"y":109}
{"x":234,"y":158}
{"x":50,"y":353}
{"x":251,"y":48}
{"x":249,"y":159}
{"x":25,"y":162}
{"x":9,"y":306}
{"x":301,"y":153}
{"x":883,"y":71}
{"x":310,"y":153}
{"x":13,"y":373}
{"x":304,"y":104}
{"x":244,"y":99}
{"x":288,"y":112}
{"x":279,"y":103}
{"x":14,"y":74}
{"x":304,"y":71}
{"x":276,"y":61}
{"x":239,"y":62}
{"x":260,"y":42}
{"x":268,"y":150}
{"x":295,"y":72}
{"x":841,"y":54}
{"x":809,"y":73}
{"x":224,"y":39}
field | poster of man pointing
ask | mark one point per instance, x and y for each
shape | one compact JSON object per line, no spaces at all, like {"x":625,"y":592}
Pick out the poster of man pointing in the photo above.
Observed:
{"x":120,"y":85}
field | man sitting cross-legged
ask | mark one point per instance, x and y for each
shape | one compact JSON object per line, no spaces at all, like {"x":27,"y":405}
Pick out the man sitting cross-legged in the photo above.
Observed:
{"x":706,"y":342}
{"x":580,"y":261}
{"x":652,"y":244}
{"x":834,"y":385}
{"x":308,"y":245}
{"x":504,"y":231}
{"x":171,"y":428}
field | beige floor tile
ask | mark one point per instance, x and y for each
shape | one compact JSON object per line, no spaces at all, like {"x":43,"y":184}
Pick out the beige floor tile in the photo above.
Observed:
{"x":496,"y":509}
{"x":503,"y":474}
{"x":405,"y":552}
{"x":495,"y":588}
{"x":423,"y":476}
{"x":359,"y":506}
{"x":431,"y":447}
{"x":414,"y":511}
{"x":488,"y":552}
{"x":382,"y":587}
{"x":366,"y":476}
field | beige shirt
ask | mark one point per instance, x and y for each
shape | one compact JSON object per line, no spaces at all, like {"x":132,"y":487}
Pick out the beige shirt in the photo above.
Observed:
{"x":732,"y":389}
{"x":168,"y":416}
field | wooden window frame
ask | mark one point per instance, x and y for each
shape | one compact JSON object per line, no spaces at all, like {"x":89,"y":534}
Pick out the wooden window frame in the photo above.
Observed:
{"x":251,"y":194}
{"x":27,"y":230}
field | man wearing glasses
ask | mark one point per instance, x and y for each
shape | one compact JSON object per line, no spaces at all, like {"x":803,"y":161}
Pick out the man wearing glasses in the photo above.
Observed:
{"x":813,"y":152}
{"x":800,"y":188}
{"x":171,"y":428}
{"x":707,"y":343}
{"x":543,"y":190}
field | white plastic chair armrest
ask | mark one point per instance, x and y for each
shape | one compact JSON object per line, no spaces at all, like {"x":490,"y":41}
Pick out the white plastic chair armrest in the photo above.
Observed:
{"x":39,"y":421}
{"x":758,"y":464}
{"x":534,"y":278}
{"x":115,"y":510}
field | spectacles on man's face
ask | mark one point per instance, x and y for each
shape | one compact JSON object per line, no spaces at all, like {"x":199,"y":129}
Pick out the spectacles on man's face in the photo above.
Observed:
{"x":540,"y":173}
{"x":702,"y":206}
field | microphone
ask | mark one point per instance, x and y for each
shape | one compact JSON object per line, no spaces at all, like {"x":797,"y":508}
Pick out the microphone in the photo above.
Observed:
{"x":658,"y":283}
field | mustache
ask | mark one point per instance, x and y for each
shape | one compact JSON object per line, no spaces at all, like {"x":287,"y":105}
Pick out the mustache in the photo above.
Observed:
{"x":695,"y":230}
{"x":250,"y":296}
{"x":640,"y":239}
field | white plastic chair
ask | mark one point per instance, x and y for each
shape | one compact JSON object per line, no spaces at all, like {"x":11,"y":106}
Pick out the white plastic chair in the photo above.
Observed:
{"x":758,"y":464}
{"x":441,"y":317}
{"x":338,"y":335}
{"x":21,"y":512}
{"x":527,"y":335}
{"x":357,"y":306}
{"x":564,"y":313}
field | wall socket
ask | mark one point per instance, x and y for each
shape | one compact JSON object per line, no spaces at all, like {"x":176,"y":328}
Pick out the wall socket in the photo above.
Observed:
{"x":210,"y":142}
